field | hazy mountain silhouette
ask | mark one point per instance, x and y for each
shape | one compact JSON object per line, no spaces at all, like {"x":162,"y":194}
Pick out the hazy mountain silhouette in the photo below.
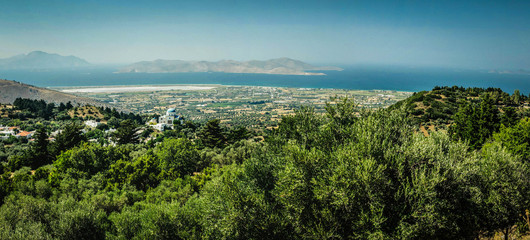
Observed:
{"x":274,"y":66}
{"x":41,"y":60}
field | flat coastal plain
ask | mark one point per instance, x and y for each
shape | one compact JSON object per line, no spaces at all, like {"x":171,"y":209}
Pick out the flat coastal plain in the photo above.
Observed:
{"x":250,"y":106}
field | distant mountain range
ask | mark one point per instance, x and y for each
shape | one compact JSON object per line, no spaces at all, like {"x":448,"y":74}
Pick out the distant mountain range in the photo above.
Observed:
{"x":284,"y":66}
{"x":41,"y":60}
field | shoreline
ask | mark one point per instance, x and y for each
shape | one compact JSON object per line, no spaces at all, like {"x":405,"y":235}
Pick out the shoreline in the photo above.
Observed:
{"x":185,"y":87}
{"x":266,"y":73}
{"x":134,"y":88}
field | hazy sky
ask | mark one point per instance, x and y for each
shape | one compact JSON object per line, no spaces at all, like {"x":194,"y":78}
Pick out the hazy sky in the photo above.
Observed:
{"x":468,"y":34}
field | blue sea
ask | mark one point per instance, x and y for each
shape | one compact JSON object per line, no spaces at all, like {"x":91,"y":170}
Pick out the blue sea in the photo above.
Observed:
{"x":357,"y":77}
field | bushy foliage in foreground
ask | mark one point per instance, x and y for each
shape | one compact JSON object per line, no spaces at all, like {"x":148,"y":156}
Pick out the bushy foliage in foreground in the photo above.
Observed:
{"x":316,"y":177}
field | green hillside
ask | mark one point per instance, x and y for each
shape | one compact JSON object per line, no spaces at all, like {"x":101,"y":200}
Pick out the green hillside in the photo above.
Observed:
{"x":437,"y":107}
{"x":348,"y":174}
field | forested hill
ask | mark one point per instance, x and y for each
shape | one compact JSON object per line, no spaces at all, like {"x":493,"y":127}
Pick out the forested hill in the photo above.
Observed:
{"x":438,"y":106}
{"x":11,"y":90}
{"x":348,"y":174}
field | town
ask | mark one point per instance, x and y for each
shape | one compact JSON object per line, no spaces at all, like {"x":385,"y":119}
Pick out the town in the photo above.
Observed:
{"x":250,"y":106}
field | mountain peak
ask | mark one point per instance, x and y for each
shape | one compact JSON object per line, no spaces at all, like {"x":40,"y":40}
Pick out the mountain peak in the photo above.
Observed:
{"x":37,"y":53}
{"x":41,"y":60}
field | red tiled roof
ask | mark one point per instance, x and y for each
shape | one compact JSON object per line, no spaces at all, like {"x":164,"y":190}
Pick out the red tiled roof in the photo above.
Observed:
{"x":24,"y":133}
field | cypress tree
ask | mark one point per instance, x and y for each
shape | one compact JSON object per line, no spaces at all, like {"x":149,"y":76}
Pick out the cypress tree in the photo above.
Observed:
{"x":212,"y":134}
{"x":41,"y":155}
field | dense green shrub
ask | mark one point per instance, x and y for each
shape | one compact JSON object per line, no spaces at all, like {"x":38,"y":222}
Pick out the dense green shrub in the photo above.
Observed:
{"x":334,"y":176}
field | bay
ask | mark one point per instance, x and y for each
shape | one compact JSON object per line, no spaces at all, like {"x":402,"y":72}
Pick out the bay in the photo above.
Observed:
{"x":353,"y":77}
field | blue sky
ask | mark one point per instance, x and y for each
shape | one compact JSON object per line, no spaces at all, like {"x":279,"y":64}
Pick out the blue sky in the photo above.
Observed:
{"x":463,"y":34}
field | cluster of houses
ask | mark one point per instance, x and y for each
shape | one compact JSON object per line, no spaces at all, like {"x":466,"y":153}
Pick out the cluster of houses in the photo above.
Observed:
{"x":95,"y":124}
{"x":6,"y":132}
{"x":163,"y":122}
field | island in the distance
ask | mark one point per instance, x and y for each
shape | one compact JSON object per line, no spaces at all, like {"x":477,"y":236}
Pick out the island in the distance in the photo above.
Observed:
{"x":283,"y":66}
{"x":39,"y":60}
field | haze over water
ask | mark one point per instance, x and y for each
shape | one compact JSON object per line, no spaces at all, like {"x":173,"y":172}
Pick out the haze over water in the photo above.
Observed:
{"x":427,"y":35}
{"x":472,"y":34}
{"x":363,"y":78}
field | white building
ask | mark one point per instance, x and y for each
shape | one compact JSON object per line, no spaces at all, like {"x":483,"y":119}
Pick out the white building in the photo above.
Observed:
{"x":92,"y":123}
{"x":160,"y":126}
{"x":5,"y":132}
{"x":25,"y":134}
{"x":110,"y":131}
{"x":171,"y":115}
{"x":164,"y":121}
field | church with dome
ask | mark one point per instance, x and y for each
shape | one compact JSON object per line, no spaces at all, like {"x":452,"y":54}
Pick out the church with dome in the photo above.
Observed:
{"x":171,"y":115}
{"x":165,"y":121}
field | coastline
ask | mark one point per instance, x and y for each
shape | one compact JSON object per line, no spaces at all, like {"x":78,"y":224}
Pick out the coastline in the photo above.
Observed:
{"x":135,"y":88}
{"x":399,"y":79}
{"x":265,"y":73}
{"x":185,"y":87}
